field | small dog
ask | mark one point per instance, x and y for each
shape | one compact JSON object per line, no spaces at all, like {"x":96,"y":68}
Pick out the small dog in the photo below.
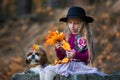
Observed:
{"x":36,"y":59}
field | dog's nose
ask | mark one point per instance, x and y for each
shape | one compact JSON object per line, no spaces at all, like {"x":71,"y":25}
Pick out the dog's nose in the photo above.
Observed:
{"x":33,"y":57}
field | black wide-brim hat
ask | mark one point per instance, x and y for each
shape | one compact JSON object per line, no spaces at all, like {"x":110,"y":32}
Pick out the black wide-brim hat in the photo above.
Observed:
{"x":77,"y":12}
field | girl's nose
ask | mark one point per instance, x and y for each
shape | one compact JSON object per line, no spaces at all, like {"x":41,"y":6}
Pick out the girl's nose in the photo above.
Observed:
{"x":72,"y":25}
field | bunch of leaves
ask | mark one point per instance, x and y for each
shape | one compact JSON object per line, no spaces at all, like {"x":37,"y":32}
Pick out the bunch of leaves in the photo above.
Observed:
{"x":53,"y":36}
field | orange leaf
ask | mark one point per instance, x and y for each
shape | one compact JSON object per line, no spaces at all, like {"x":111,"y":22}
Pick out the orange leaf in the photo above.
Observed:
{"x":65,"y":60}
{"x":66,"y":45}
{"x":35,"y":47}
{"x":54,"y":36}
{"x":50,"y":41}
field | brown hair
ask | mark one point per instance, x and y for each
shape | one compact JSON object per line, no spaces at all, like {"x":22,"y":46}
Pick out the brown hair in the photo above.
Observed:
{"x":89,"y":39}
{"x":43,"y":59}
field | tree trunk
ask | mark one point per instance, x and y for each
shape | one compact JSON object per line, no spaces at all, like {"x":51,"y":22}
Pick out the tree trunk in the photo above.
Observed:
{"x":24,"y":7}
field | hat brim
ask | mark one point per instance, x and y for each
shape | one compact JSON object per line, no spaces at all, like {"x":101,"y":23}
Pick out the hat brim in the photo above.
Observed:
{"x":86,"y":18}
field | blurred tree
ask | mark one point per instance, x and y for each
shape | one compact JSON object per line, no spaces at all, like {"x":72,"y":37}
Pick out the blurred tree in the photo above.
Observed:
{"x":1,"y":11}
{"x":50,"y":3}
{"x":92,"y":1}
{"x":4,"y":4}
{"x":24,"y":7}
{"x":57,"y":3}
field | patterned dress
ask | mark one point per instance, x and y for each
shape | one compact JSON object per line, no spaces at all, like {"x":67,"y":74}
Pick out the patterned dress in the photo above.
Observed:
{"x":77,"y":65}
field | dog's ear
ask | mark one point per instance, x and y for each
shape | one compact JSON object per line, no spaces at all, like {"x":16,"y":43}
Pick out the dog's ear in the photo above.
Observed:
{"x":27,"y":61}
{"x":42,"y":50}
{"x":43,"y":59}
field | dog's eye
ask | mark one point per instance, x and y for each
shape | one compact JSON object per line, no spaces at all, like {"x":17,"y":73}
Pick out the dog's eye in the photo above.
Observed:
{"x":30,"y":54}
{"x":37,"y":54}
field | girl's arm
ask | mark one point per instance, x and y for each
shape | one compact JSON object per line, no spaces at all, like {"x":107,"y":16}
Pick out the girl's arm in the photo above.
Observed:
{"x":60,"y":53}
{"x":82,"y":56}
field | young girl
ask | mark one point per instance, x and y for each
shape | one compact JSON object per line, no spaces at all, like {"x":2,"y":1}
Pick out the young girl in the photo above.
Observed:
{"x":79,"y":37}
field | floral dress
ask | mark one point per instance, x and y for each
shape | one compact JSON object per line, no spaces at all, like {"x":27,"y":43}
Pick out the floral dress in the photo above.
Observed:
{"x":77,"y":65}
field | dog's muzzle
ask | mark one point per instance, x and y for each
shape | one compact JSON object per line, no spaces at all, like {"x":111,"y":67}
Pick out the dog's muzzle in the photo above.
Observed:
{"x":33,"y":57}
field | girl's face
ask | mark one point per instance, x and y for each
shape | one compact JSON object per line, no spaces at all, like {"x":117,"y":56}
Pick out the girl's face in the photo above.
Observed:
{"x":74,"y":25}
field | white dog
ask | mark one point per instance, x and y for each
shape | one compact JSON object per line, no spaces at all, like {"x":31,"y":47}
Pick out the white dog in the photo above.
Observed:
{"x":36,"y":60}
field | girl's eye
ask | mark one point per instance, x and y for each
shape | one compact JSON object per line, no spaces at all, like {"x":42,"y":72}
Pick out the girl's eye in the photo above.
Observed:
{"x":69,"y":22}
{"x":76,"y":22}
{"x":73,"y":22}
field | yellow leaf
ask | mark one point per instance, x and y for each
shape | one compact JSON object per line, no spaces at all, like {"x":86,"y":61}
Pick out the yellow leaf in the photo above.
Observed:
{"x":65,"y":60}
{"x":50,"y":41}
{"x":66,"y":45}
{"x":54,"y":36}
{"x":35,"y":47}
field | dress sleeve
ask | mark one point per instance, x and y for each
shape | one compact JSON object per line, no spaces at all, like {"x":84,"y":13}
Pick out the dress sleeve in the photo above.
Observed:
{"x":60,"y":53}
{"x":82,"y":56}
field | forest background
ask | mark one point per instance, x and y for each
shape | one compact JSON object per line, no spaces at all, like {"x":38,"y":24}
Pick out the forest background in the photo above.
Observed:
{"x":25,"y":22}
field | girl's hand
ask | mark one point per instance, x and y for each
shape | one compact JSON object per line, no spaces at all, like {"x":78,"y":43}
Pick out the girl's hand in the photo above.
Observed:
{"x":58,"y":45}
{"x":70,"y":54}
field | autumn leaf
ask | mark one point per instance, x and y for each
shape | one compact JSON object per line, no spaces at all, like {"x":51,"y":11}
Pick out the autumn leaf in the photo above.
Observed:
{"x":35,"y":47}
{"x":66,"y":45}
{"x":50,"y":41}
{"x":61,"y":36}
{"x":54,"y":36}
{"x":65,"y":60}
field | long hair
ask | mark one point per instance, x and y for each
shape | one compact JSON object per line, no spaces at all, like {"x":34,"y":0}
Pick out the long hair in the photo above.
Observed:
{"x":89,"y":39}
{"x":85,"y":31}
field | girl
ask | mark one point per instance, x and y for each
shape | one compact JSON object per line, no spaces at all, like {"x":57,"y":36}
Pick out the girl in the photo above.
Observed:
{"x":79,"y":37}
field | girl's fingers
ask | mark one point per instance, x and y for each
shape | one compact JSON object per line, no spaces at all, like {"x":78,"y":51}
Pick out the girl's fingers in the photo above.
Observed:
{"x":58,"y":45}
{"x":70,"y":54}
